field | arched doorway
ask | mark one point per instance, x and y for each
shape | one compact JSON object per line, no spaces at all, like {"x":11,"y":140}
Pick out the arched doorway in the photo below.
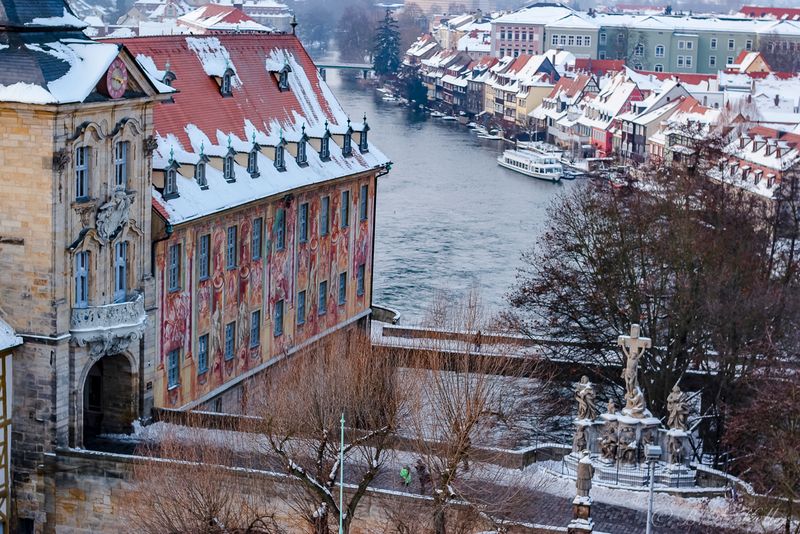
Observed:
{"x":108,"y":398}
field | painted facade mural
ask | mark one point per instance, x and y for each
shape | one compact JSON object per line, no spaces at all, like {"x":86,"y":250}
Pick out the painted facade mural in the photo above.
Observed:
{"x":258,"y":283}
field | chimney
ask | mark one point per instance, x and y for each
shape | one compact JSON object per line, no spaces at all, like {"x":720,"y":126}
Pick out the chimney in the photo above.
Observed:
{"x":777,"y":100}
{"x":238,"y":4}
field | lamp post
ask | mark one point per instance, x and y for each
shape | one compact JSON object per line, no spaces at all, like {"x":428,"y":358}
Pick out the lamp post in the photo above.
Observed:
{"x":652,"y":453}
{"x":341,"y":479}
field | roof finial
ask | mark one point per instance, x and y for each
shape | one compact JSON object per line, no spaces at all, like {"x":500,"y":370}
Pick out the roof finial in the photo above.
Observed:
{"x":281,"y":134}
{"x":229,"y":141}
{"x":348,"y":122}
{"x":303,"y":129}
{"x":293,"y":24}
{"x":202,"y":148}
{"x":254,"y":137}
{"x":365,"y":117}
{"x":171,"y":154}
{"x":326,"y":125}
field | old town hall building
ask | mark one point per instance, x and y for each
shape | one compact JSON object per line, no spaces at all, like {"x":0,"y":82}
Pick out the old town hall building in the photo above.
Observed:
{"x":178,"y":213}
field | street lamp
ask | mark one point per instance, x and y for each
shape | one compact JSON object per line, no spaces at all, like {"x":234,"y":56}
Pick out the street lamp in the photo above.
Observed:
{"x":653,"y":454}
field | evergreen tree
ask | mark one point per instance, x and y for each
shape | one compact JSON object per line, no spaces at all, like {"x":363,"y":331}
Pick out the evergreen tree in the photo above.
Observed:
{"x":387,"y":46}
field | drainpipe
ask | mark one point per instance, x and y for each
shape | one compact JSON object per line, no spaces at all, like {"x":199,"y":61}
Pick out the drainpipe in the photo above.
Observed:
{"x":383,"y":172}
{"x":168,"y":230}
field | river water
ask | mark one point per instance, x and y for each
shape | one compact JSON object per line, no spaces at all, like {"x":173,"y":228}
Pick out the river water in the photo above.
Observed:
{"x":448,"y":217}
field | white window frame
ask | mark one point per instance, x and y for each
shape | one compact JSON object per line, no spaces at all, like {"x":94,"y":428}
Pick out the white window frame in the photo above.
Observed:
{"x":661,"y":53}
{"x":120,"y":271}
{"x":121,"y":164}
{"x":82,"y":155}
{"x":82,"y":279}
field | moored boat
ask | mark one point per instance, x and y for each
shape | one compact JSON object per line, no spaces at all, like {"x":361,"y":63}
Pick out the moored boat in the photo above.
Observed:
{"x":534,"y":164}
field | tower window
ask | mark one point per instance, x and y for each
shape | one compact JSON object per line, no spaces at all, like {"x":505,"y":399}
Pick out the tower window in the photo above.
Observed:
{"x":82,"y":172}
{"x":81,"y":279}
{"x":121,"y":164}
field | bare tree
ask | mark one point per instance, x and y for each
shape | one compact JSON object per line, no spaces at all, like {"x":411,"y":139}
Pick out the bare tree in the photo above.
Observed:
{"x":681,"y":252}
{"x":190,"y":487}
{"x":462,"y":397}
{"x":765,"y":433}
{"x":302,"y":404}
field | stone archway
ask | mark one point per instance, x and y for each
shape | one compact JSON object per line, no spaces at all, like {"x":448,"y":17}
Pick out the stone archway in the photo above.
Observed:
{"x":108,"y":398}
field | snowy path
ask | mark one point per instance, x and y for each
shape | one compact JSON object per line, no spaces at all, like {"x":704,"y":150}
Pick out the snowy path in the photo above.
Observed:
{"x":548,"y":496}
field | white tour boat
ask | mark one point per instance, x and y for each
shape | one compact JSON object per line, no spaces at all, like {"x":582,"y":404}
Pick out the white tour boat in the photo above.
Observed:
{"x":529,"y":163}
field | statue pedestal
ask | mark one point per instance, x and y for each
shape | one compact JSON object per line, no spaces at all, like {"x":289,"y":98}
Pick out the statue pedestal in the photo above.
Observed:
{"x":582,"y":516}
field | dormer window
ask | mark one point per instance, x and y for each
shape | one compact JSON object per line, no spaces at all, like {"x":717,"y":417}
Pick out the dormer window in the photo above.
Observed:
{"x":171,"y":177}
{"x":302,"y":155}
{"x":347,"y":146}
{"x":325,"y":145}
{"x":252,"y":161}
{"x":228,"y":170}
{"x":363,"y":144}
{"x":171,"y":184}
{"x":168,"y":78}
{"x":283,"y":77}
{"x":280,"y":155}
{"x":200,"y":170}
{"x":226,"y":88}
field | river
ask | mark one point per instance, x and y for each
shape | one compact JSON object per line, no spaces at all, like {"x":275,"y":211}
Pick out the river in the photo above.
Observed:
{"x":448,"y":217}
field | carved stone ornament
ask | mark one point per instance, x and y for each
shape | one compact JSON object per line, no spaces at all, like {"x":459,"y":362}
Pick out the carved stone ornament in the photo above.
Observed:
{"x":113,"y":215}
{"x":150,"y":145}
{"x":109,"y":329}
{"x":61,"y":160}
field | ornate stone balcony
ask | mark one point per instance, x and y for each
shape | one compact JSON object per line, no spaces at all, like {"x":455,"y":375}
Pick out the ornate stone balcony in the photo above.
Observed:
{"x":111,"y":328}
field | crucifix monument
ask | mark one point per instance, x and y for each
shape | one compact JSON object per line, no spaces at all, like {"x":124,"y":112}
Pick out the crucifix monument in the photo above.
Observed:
{"x":633,"y":348}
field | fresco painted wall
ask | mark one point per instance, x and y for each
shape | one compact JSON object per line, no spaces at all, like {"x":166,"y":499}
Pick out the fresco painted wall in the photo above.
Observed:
{"x":231,"y":295}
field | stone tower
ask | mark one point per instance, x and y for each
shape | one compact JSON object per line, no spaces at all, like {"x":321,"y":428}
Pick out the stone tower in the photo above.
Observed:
{"x":75,"y":270}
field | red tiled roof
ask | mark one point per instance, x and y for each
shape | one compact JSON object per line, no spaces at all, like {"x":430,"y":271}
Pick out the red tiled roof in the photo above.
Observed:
{"x":199,"y":102}
{"x":691,"y":78}
{"x":777,"y":12}
{"x":230,"y":14}
{"x":599,"y":66}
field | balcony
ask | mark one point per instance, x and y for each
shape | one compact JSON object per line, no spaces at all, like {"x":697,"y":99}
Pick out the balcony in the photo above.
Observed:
{"x":111,"y":328}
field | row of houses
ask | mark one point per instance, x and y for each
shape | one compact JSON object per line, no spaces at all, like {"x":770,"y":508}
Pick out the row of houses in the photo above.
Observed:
{"x":640,"y":117}
{"x":502,"y":90}
{"x":660,"y":43}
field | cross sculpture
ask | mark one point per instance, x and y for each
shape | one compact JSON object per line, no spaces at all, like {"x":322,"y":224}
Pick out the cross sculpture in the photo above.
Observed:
{"x":633,"y":348}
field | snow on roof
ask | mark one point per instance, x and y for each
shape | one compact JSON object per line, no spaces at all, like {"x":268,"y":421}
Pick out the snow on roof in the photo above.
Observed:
{"x":82,"y":63}
{"x":573,"y":21}
{"x":201,"y":119}
{"x":66,"y":20}
{"x":477,"y":42}
{"x":8,"y":338}
{"x":540,"y":14}
{"x":452,"y":80}
{"x":220,"y":18}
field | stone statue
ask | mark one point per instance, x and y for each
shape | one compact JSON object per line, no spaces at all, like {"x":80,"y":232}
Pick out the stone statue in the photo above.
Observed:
{"x":675,"y":450}
{"x":579,"y":441}
{"x":628,"y":445}
{"x":113,"y":215}
{"x":676,"y":406}
{"x":608,"y":443}
{"x":612,"y":408}
{"x":633,"y":348}
{"x":584,"y":393}
{"x":585,"y":472}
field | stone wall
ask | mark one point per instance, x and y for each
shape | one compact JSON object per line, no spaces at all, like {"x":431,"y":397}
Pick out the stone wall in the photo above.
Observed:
{"x":92,"y":494}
